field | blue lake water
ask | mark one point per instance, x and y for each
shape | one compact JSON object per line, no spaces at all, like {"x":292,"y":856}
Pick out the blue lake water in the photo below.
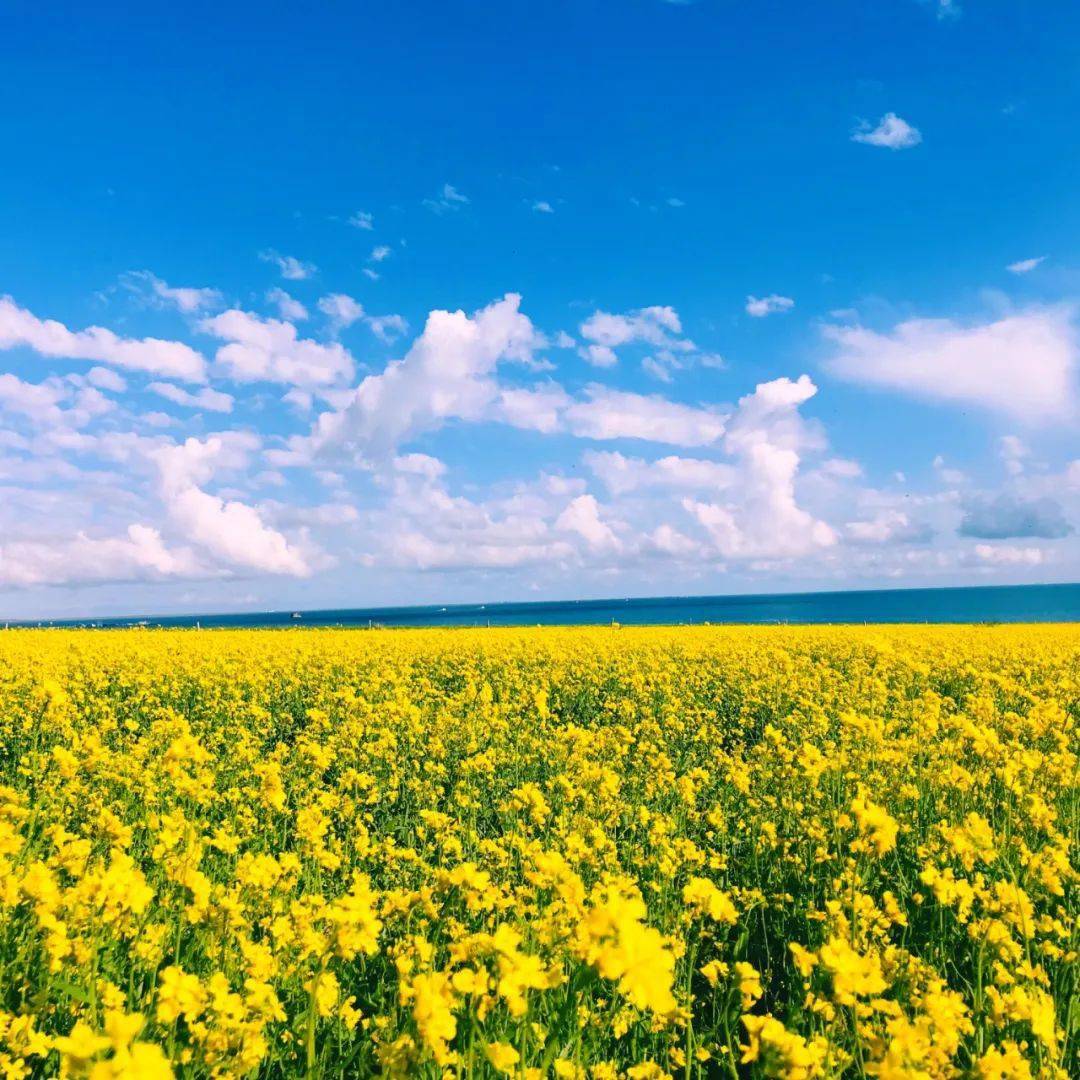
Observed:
{"x":989,"y":604}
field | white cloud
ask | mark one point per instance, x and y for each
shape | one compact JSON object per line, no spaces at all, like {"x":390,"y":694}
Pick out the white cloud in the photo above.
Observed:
{"x":449,"y":198}
{"x":600,"y":356}
{"x":582,"y":516}
{"x":380,"y":253}
{"x":668,"y":541}
{"x":761,"y":519}
{"x":288,"y":308}
{"x":269,"y":349}
{"x":138,"y":555}
{"x":362,"y":220}
{"x":1022,"y":365}
{"x":342,"y":310}
{"x":760,"y":306}
{"x":290,"y":268}
{"x":1024,"y":266}
{"x":106,"y":379}
{"x":621,"y":474}
{"x":419,"y":465}
{"x":426,"y":528}
{"x":325,"y":515}
{"x":173,"y":359}
{"x":537,"y":409}
{"x":841,"y":468}
{"x":446,"y":374}
{"x":53,"y":403}
{"x":947,"y":474}
{"x":1013,"y":451}
{"x":652,"y":325}
{"x":887,"y":527}
{"x":230,"y":530}
{"x":616,"y":414}
{"x":891,"y":132}
{"x":1008,"y":555}
{"x":387,"y":328}
{"x":542,"y":206}
{"x":211,"y":400}
{"x":661,"y":372}
{"x":187,"y":300}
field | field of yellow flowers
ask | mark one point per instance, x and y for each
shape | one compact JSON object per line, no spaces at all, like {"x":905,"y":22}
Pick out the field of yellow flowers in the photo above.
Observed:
{"x":590,"y":853}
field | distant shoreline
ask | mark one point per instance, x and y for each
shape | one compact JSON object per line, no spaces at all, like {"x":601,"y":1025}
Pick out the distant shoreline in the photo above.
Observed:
{"x":954,"y":604}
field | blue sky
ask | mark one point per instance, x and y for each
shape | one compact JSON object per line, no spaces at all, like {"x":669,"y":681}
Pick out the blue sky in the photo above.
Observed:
{"x":435,"y":302}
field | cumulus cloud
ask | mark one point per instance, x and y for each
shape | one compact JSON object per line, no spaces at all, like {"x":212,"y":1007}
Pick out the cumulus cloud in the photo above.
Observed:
{"x":362,"y":220}
{"x":761,"y":519}
{"x":542,"y":206}
{"x":53,"y":403}
{"x":380,"y":253}
{"x":172,"y":359}
{"x":601,"y":356}
{"x":139,"y":554}
{"x":424,"y":465}
{"x":341,"y":310}
{"x":1011,"y":516}
{"x":760,"y":306}
{"x":270,"y":350}
{"x":228,"y":529}
{"x":211,"y":400}
{"x":891,"y":132}
{"x":582,"y":516}
{"x":446,"y":374}
{"x":652,"y":325}
{"x":1023,"y":364}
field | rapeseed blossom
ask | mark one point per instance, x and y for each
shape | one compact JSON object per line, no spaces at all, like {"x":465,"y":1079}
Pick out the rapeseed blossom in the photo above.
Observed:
{"x":590,"y":853}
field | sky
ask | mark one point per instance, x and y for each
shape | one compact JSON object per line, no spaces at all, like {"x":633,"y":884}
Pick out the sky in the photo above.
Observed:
{"x":339,"y":305}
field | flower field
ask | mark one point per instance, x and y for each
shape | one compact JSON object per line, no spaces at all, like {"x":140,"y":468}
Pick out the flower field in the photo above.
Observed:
{"x":590,"y":853}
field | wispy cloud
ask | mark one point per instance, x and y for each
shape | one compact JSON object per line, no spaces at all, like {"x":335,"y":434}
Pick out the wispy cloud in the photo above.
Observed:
{"x":185,"y":299}
{"x":288,"y":307}
{"x":291,"y":269}
{"x":1024,"y":266}
{"x":449,"y":198}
